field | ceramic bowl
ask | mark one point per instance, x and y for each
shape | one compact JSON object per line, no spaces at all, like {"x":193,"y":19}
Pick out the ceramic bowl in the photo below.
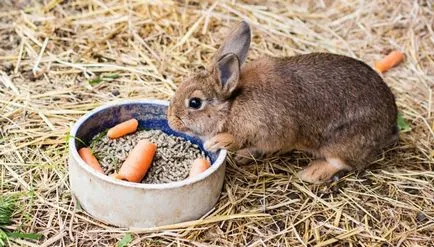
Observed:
{"x":126,"y":204}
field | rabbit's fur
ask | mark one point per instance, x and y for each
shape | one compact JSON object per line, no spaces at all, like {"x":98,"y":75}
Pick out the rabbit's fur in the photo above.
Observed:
{"x":332,"y":106}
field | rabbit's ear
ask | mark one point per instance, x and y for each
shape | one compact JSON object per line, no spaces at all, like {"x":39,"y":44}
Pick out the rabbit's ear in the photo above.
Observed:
{"x":228,"y":72}
{"x":237,"y":42}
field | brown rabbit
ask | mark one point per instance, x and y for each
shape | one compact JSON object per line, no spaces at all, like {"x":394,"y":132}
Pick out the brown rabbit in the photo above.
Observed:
{"x":332,"y":106}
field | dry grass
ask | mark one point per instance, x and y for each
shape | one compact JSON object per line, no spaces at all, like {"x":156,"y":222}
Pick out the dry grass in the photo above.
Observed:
{"x":50,"y":50}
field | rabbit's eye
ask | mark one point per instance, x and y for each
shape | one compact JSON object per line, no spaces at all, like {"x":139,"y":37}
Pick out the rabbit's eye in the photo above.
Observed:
{"x":195,"y":103}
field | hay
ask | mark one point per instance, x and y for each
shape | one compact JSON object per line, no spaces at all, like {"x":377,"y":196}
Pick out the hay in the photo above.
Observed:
{"x":51,"y":53}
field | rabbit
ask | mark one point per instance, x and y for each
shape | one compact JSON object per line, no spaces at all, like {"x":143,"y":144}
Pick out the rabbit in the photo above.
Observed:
{"x":335,"y":107}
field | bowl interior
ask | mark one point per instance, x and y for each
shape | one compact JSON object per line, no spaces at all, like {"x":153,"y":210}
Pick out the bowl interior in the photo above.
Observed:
{"x":150,"y":116}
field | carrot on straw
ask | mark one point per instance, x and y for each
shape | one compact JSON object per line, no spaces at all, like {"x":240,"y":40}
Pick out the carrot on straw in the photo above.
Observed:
{"x":123,"y":128}
{"x":88,"y":157}
{"x":199,"y":165}
{"x":391,"y":60}
{"x":138,"y":162}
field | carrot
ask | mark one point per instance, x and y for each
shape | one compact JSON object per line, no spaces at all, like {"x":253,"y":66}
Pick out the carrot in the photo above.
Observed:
{"x":117,"y":176}
{"x":394,"y":58}
{"x":199,"y":165}
{"x":138,"y":161}
{"x":88,"y":157}
{"x":123,"y":128}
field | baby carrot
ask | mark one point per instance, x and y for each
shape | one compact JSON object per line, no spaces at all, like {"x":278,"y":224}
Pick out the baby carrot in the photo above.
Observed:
{"x":117,"y":176}
{"x":199,"y":165}
{"x":87,"y":156}
{"x":123,"y":128}
{"x":394,"y":58}
{"x":138,"y":161}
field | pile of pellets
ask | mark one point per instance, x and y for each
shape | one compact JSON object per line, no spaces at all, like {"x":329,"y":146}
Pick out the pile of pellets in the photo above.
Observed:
{"x":171,"y":163}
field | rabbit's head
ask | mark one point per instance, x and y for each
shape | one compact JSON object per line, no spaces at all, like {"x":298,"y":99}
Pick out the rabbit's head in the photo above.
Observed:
{"x":202,"y":103}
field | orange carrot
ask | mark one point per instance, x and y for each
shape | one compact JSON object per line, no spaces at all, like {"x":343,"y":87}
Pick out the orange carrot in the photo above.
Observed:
{"x":138,"y":161}
{"x":88,"y":157}
{"x":123,"y":128}
{"x":117,"y":176}
{"x":394,"y":58}
{"x":199,"y":165}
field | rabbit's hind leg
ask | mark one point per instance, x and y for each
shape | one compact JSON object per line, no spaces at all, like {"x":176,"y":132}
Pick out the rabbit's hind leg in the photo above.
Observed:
{"x":322,"y":170}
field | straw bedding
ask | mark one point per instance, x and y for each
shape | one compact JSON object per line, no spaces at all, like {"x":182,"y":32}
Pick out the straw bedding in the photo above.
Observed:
{"x":60,"y":59}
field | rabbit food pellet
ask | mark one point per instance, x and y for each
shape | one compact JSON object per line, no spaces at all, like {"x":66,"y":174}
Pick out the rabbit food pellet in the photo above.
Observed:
{"x":171,"y":163}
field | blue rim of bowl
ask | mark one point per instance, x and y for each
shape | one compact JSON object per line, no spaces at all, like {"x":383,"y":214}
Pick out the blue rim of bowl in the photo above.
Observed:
{"x":74,"y":152}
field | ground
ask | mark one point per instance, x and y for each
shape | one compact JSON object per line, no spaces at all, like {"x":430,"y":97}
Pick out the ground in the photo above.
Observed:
{"x":60,"y":59}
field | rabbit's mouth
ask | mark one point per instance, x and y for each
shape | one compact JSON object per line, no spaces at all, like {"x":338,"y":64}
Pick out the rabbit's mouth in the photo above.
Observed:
{"x":177,"y":124}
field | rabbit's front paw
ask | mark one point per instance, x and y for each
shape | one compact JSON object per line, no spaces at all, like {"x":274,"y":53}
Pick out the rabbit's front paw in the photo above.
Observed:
{"x":220,"y":141}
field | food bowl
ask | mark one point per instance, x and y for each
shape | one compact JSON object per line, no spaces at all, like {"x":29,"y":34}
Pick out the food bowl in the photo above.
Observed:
{"x":127,"y":204}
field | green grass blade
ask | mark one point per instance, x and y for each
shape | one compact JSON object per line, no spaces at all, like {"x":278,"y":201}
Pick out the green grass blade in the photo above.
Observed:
{"x":3,"y":238}
{"x":33,"y":236}
{"x":402,"y":123}
{"x":125,"y":240}
{"x":7,"y":207}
